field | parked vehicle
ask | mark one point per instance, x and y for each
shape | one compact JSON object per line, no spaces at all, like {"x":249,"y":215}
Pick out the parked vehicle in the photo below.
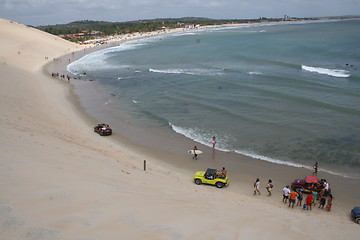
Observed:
{"x":309,"y":184}
{"x":103,"y":129}
{"x":211,"y":177}
{"x":355,"y":213}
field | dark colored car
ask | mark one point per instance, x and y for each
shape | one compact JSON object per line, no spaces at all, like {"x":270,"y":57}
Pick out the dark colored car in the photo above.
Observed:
{"x":355,"y":213}
{"x":309,"y":184}
{"x":103,"y":129}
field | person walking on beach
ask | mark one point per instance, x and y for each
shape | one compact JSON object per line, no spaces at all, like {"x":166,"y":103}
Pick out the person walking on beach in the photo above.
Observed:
{"x":322,"y":199}
{"x":286,"y":193}
{"x":269,"y":187}
{"x":315,"y":168}
{"x":213,"y":141}
{"x":292,"y":198}
{"x":329,"y":203}
{"x":257,"y":186}
{"x":326,"y":187}
{"x":195,"y":154}
{"x":299,"y":198}
{"x":314,"y":193}
{"x":309,"y":201}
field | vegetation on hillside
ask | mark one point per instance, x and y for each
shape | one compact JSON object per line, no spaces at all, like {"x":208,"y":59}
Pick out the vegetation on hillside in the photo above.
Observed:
{"x":92,"y":29}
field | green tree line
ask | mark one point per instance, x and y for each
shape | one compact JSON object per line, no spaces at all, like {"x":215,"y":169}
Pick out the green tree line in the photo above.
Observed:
{"x":113,"y":28}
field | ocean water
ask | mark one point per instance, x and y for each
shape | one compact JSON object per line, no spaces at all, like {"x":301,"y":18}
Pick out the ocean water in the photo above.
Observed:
{"x":284,"y":93}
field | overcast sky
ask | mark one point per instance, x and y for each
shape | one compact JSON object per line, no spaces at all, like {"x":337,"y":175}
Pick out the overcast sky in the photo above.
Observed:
{"x":45,"y":12}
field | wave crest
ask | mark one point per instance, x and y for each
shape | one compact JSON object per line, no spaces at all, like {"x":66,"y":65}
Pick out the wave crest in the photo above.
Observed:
{"x":326,"y":71}
{"x":205,"y":72}
{"x":254,"y":73}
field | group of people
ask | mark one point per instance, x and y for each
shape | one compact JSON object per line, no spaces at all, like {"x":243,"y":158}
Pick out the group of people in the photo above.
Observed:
{"x":311,"y":198}
{"x":62,"y":76}
{"x":324,"y":197}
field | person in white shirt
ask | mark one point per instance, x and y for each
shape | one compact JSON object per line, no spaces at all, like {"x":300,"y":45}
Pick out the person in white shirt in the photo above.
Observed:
{"x":286,"y":193}
{"x":326,"y":186}
{"x":257,"y":186}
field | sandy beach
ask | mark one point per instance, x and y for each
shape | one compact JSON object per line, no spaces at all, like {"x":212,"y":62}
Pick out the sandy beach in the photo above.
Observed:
{"x":60,"y":180}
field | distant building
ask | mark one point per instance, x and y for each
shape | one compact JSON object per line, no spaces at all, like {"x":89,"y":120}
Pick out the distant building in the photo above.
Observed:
{"x":287,"y":18}
{"x":192,"y":26}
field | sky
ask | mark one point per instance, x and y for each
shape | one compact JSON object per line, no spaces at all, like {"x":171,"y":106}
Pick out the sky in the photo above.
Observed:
{"x":50,"y":12}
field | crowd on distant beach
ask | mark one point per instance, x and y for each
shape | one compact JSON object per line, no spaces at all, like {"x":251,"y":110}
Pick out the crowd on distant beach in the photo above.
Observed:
{"x":68,"y":77}
{"x":61,"y":76}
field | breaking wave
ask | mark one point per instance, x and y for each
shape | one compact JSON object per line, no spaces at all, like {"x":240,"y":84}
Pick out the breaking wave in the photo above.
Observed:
{"x":326,"y":71}
{"x":205,"y":72}
{"x":196,"y":135}
{"x":254,"y":73}
{"x":185,"y":34}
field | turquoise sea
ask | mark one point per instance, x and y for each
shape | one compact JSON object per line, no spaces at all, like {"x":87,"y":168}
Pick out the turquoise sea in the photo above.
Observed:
{"x":285,"y":93}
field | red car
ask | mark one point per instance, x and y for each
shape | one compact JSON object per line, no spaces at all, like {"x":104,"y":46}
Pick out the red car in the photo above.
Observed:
{"x":103,"y":129}
{"x":309,"y":184}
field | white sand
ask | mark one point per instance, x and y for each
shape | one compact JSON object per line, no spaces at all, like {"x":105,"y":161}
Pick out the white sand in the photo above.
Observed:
{"x":60,"y":180}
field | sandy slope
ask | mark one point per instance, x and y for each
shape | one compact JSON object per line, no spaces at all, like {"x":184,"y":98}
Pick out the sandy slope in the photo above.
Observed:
{"x":59,"y":180}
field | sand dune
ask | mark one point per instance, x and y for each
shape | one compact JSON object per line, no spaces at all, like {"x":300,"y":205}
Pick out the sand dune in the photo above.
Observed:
{"x":59,"y":180}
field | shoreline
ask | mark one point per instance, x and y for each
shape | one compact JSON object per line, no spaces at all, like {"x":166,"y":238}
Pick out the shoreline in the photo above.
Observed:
{"x":152,"y":141}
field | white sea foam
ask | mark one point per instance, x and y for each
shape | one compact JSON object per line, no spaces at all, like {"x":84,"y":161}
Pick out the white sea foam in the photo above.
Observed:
{"x":124,"y":47}
{"x":196,"y":135}
{"x":94,"y":61}
{"x":97,"y":60}
{"x":288,"y":163}
{"x":121,"y":78}
{"x":185,"y":34}
{"x":254,"y":73}
{"x":86,"y":62}
{"x":193,"y":134}
{"x":206,"y":72}
{"x":108,"y":102}
{"x":272,"y":160}
{"x":330,"y":72}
